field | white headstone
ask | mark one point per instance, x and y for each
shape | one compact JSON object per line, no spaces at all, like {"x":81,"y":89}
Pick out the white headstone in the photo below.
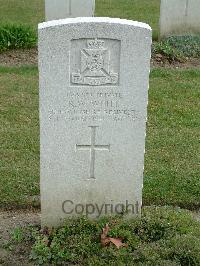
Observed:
{"x":94,"y":78}
{"x":179,"y":17}
{"x":59,"y":9}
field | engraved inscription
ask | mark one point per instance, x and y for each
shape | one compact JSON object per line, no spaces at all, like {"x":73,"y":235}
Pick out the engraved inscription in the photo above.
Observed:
{"x":96,"y":64}
{"x":95,"y":106}
{"x":92,"y":148}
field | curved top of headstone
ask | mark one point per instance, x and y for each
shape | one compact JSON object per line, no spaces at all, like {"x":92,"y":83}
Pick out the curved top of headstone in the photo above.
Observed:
{"x":107,"y":20}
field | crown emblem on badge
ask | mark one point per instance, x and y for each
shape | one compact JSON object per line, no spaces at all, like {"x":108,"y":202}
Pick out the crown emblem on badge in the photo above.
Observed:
{"x":95,"y":65}
{"x":95,"y":44}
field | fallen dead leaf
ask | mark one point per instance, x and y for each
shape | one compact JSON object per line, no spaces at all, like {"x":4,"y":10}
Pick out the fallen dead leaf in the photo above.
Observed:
{"x":118,"y":242}
{"x":105,"y":240}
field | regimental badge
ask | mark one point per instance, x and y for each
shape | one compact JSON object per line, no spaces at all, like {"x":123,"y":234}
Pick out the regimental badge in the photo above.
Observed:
{"x":95,"y":66}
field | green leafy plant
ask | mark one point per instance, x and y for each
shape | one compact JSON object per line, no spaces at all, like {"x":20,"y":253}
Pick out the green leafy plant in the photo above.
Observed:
{"x":167,"y":50}
{"x":189,"y":45}
{"x":16,"y":36}
{"x":177,"y":48}
{"x":162,"y":236}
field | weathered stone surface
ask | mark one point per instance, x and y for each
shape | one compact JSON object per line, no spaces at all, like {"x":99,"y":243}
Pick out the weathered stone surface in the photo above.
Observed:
{"x":94,"y":76}
{"x":59,"y":9}
{"x":179,"y":17}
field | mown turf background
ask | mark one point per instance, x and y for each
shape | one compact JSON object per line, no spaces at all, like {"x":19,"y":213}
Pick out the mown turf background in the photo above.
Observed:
{"x":27,"y":12}
{"x":19,"y":142}
{"x":172,"y":150}
{"x":171,"y":161}
{"x":31,"y":12}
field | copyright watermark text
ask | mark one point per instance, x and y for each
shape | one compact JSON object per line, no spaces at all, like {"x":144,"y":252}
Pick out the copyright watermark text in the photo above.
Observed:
{"x":95,"y":209}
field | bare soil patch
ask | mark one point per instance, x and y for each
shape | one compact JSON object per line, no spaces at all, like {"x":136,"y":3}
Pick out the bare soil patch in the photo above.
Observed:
{"x":9,"y":220}
{"x":161,"y":61}
{"x":19,"y":57}
{"x":30,"y":57}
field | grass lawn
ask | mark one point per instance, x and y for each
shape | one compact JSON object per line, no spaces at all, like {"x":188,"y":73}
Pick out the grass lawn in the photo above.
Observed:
{"x":19,"y":142}
{"x":31,"y":12}
{"x":171,"y":170}
{"x":172,"y":151}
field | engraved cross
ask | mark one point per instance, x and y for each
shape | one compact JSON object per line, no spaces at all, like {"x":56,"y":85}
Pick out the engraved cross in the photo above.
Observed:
{"x":92,"y":148}
{"x":186,"y":7}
